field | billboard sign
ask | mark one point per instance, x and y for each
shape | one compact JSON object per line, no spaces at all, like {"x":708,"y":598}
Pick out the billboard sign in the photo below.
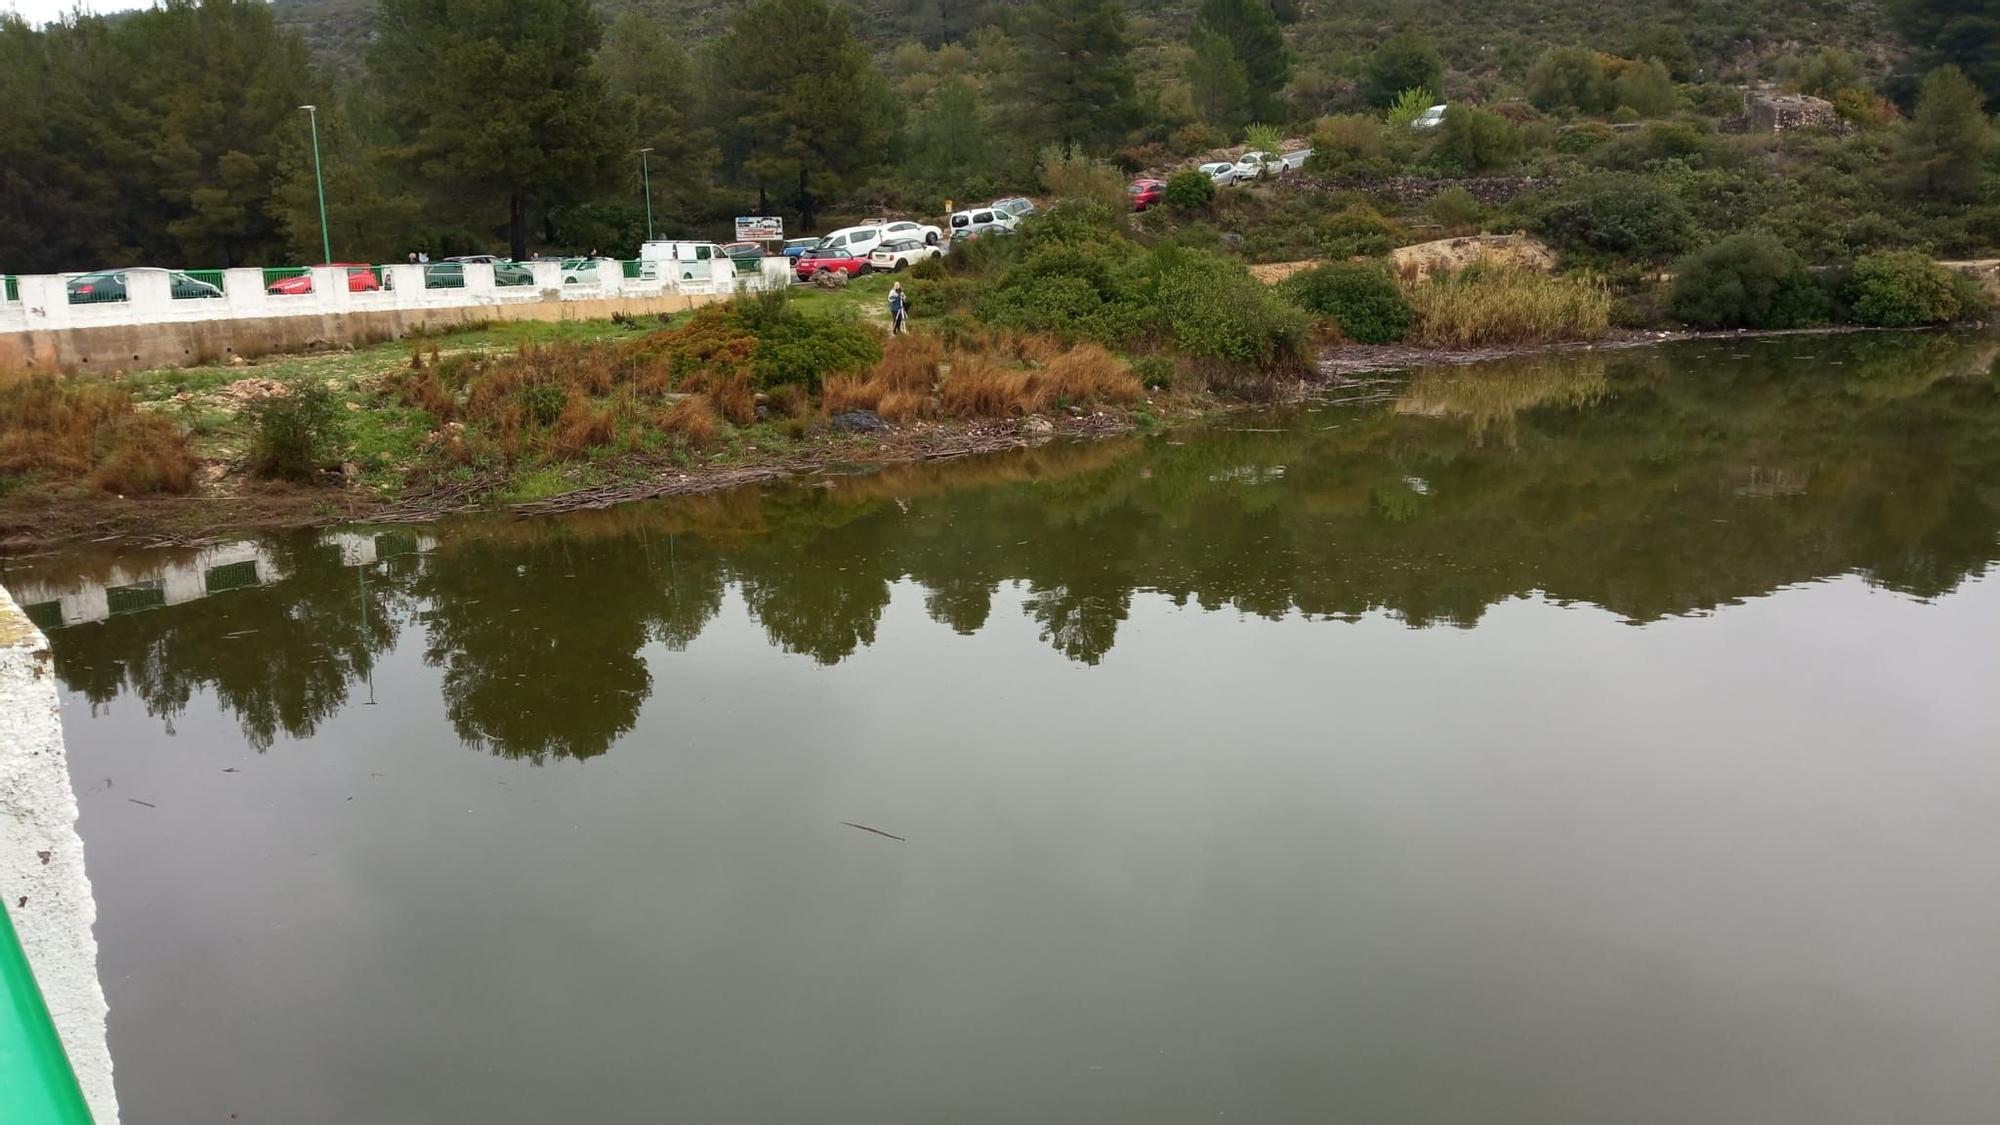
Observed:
{"x":752,"y":228}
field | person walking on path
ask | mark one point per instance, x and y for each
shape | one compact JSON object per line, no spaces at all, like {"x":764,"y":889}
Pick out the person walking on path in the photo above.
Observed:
{"x":899,"y":309}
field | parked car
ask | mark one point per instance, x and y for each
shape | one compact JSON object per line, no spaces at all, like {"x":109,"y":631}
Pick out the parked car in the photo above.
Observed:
{"x":978,"y":221}
{"x":360,"y":279}
{"x":1019,"y":206}
{"x":109,"y":285}
{"x":1253,"y":165}
{"x":1296,"y":159}
{"x":1429,"y":119}
{"x":1145,"y":193}
{"x":579,"y":271}
{"x":854,"y":240}
{"x":900,"y":254}
{"x":683,"y":261}
{"x":450,"y":273}
{"x":1220,"y":171}
{"x":905,"y":230}
{"x":743,"y":250}
{"x":830,"y":261}
{"x":796,"y":248}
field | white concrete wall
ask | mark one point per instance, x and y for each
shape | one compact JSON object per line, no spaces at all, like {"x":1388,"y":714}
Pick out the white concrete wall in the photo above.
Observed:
{"x":41,"y":858}
{"x":44,"y":298}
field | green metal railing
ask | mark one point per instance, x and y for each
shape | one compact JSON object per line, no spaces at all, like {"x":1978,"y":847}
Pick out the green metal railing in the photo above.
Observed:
{"x":10,"y":288}
{"x":191,"y":289}
{"x":36,"y":1081}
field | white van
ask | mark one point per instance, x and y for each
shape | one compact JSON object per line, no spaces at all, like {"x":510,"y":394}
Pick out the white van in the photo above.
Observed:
{"x":979,"y":220}
{"x":678,"y":261}
{"x":857,"y":241}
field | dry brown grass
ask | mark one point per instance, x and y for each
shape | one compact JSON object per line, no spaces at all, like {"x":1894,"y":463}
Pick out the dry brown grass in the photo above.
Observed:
{"x":839,"y":394}
{"x":582,"y":428}
{"x":981,"y":387}
{"x":1489,"y":305}
{"x":735,"y":400}
{"x":690,"y":420}
{"x":910,"y":363}
{"x":1086,"y":376}
{"x":903,"y":406}
{"x":85,"y":431}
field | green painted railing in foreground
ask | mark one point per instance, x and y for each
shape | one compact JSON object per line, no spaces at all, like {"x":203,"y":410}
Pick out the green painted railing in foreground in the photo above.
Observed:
{"x":36,"y":1081}
{"x":11,"y":290}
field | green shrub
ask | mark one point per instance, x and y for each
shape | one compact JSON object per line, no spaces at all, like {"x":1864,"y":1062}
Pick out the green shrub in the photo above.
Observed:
{"x":1340,"y":142}
{"x":936,"y":296}
{"x":1585,"y":137}
{"x":929,"y":269}
{"x":1569,"y":80}
{"x":1455,"y":207}
{"x":803,"y":348}
{"x":1747,"y":281}
{"x":295,"y":433}
{"x":1213,"y":308}
{"x":1359,"y":297}
{"x":1191,"y":190}
{"x":1408,"y":106}
{"x":543,"y":402}
{"x":1620,"y":216}
{"x":1072,"y":291}
{"x":1359,"y":231}
{"x":1473,"y":140}
{"x":1077,"y":176}
{"x":1644,"y":87}
{"x":1154,"y":371}
{"x":1902,"y":288}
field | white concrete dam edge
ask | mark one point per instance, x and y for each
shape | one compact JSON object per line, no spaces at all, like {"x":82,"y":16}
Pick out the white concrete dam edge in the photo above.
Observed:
{"x":41,"y":856}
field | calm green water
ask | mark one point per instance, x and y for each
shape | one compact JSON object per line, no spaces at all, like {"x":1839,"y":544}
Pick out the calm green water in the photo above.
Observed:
{"x":1603,"y":739}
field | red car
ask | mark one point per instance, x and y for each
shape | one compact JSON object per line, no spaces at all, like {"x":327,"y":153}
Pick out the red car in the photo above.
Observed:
{"x":1145,"y":193}
{"x":360,"y":279}
{"x":838,"y":261}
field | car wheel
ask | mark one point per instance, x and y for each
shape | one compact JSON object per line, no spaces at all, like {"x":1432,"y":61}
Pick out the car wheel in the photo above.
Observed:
{"x":902,"y":264}
{"x":936,"y":254}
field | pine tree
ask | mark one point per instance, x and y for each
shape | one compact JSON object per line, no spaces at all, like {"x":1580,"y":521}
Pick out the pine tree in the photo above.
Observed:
{"x":495,"y":104}
{"x":655,"y":78}
{"x":1948,"y":138}
{"x":1961,"y":33}
{"x":1215,"y":77}
{"x":801,"y":107}
{"x":1405,"y":61}
{"x":1076,"y":72}
{"x":1253,"y":32}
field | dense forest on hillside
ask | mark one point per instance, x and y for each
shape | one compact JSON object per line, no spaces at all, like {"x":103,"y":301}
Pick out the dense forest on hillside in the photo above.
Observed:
{"x":173,"y":135}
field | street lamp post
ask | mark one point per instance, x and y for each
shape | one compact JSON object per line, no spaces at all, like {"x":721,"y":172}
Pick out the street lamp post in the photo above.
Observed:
{"x":646,"y":178}
{"x":319,"y":181}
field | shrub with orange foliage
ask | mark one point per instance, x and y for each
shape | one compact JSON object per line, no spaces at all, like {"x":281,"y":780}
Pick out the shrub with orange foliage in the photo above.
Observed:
{"x":734,"y":399}
{"x":582,"y":427}
{"x":712,"y":342}
{"x":979,"y":387}
{"x":839,"y":394}
{"x":689,"y":420}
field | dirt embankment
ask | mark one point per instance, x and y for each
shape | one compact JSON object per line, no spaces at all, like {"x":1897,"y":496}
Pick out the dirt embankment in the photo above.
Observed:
{"x":31,"y":522}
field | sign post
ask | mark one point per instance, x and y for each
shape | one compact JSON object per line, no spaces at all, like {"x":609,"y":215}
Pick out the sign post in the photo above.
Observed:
{"x":759,"y":228}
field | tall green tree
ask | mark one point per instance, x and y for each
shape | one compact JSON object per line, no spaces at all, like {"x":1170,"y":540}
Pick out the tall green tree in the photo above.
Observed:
{"x":950,"y":147}
{"x":654,"y":77}
{"x":1960,"y":33}
{"x":496,"y":105}
{"x":1253,"y":32}
{"x":1945,"y":147}
{"x":1076,"y":82}
{"x":802,"y":109}
{"x":1404,"y":61}
{"x":1215,"y":77}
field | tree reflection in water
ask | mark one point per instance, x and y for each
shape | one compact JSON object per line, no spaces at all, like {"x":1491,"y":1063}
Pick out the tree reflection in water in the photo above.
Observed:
{"x":1651,"y":483}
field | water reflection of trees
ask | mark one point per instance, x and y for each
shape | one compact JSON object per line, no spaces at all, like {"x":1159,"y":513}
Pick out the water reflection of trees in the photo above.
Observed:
{"x":280,"y":658}
{"x":1649,"y":483}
